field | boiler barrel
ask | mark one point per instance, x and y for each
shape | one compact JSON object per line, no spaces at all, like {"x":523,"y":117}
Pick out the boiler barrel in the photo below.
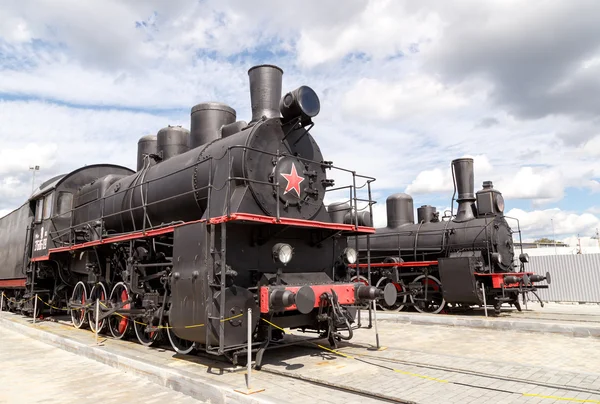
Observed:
{"x":176,"y":189}
{"x":433,"y":239}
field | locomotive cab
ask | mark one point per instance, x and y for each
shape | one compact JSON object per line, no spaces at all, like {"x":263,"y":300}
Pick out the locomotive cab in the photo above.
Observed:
{"x":57,"y":206}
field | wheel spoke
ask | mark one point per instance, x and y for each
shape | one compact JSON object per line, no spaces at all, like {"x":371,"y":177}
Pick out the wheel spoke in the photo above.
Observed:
{"x":98,"y":292}
{"x":430,"y":299}
{"x":118,"y":324}
{"x":79,"y":296}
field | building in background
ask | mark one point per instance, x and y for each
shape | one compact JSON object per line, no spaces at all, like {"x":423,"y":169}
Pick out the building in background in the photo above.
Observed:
{"x":571,"y":245}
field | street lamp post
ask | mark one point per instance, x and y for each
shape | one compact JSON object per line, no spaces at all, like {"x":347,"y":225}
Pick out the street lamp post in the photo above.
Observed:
{"x":553,"y":236}
{"x":33,"y":170}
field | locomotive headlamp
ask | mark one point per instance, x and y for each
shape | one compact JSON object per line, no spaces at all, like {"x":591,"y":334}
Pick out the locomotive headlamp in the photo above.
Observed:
{"x":500,"y":203}
{"x":282,"y":253}
{"x":350,"y":255}
{"x":497,"y":258}
{"x":524,"y":257}
{"x":303,"y":103}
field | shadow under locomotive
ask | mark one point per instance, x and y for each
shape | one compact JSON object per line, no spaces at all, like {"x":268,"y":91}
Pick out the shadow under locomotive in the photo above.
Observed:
{"x":221,"y":233}
{"x":450,"y":263}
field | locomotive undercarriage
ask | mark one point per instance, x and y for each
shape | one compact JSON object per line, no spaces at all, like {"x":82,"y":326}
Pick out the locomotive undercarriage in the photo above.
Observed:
{"x":419,"y":285}
{"x":131,"y":283}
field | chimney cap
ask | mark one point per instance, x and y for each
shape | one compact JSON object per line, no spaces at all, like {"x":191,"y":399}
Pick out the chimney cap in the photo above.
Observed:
{"x":266,"y":65}
{"x":213,"y":106}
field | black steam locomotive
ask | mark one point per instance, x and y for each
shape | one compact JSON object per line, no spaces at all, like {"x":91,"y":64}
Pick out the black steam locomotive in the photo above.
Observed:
{"x":217,"y":220}
{"x":462,"y":260}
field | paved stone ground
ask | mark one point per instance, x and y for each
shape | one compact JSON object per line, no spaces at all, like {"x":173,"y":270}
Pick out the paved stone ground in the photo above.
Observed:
{"x":562,"y":312}
{"x":382,"y":371}
{"x":32,"y":373}
{"x":446,"y":365}
{"x":557,"y":351}
{"x":277,"y":388}
{"x":558,"y":312}
{"x":567,"y":319}
{"x":443,"y":364}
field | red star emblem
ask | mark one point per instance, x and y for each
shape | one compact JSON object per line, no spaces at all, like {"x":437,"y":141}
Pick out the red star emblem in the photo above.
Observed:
{"x":293,"y":181}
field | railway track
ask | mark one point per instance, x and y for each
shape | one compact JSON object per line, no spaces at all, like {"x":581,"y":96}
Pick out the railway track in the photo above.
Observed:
{"x":336,"y":386}
{"x":443,"y":376}
{"x":373,"y":359}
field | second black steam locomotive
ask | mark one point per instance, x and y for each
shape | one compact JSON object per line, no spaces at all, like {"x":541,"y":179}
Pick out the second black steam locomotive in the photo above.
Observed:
{"x":462,"y":260}
{"x":216,"y":221}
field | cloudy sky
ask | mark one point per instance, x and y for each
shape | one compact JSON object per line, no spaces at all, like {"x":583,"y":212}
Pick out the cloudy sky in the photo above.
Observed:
{"x":405,"y":87}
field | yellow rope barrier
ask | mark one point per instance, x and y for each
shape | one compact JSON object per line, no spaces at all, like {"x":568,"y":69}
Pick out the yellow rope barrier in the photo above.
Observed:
{"x":15,"y":300}
{"x":58,"y":308}
{"x":161,"y":327}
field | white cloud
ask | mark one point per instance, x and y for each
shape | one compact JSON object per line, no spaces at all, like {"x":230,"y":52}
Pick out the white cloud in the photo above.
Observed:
{"x":376,"y":31}
{"x":22,"y":157}
{"x":592,"y":147}
{"x":408,"y":97}
{"x":403,"y":85}
{"x":60,"y":139}
{"x":439,"y":180}
{"x":70,"y":82}
{"x":533,"y":183}
{"x":539,"y":223}
{"x":429,"y":181}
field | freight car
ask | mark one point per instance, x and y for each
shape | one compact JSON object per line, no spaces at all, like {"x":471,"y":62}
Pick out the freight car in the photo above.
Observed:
{"x":460,"y":260}
{"x":215,"y":221}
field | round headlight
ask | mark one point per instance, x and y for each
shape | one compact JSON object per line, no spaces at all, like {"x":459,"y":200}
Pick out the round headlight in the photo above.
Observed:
{"x":500,"y":203}
{"x":302,"y":102}
{"x":497,"y":257}
{"x":350,"y":255}
{"x":282,"y":253}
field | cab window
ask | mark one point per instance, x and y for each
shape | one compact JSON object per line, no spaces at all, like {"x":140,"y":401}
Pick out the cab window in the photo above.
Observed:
{"x":39,"y":206}
{"x":64,"y":203}
{"x":47,"y":206}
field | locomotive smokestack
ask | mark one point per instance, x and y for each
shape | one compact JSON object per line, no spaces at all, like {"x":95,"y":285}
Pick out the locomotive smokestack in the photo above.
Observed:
{"x":464,"y":180}
{"x":265,"y":91}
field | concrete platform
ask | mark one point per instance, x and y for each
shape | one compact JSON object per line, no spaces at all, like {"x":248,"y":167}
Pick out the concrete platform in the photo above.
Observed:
{"x":567,"y":319}
{"x":421,"y":363}
{"x":32,"y":373}
{"x":203,"y":378}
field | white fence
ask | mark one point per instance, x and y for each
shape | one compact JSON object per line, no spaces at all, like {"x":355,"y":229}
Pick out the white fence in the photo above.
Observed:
{"x":574,"y":278}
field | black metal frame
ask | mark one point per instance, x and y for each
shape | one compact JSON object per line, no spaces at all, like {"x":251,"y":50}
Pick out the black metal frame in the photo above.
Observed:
{"x":218,"y":252}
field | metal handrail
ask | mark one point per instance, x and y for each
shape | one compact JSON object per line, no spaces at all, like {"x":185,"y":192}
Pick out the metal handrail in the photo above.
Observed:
{"x":58,"y":235}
